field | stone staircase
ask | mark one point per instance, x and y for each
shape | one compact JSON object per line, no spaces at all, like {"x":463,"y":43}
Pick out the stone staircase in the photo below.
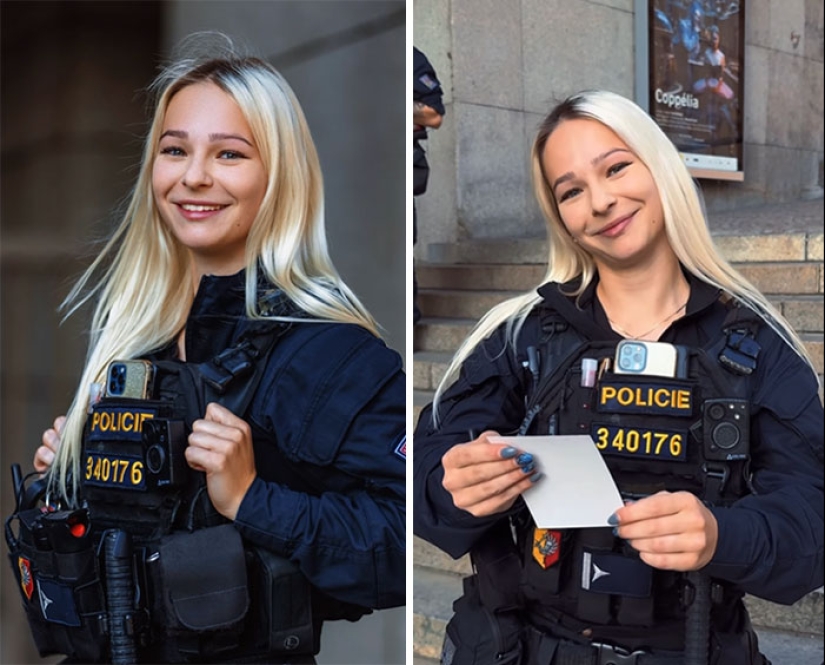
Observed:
{"x":779,"y":248}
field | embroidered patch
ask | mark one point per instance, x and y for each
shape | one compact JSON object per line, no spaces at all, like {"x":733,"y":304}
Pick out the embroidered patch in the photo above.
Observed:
{"x":546,"y":547}
{"x":26,"y":579}
{"x":429,"y":81}
{"x":401,"y":448}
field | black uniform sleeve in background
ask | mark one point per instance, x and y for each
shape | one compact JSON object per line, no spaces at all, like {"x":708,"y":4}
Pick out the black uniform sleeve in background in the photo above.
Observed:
{"x":426,"y":86}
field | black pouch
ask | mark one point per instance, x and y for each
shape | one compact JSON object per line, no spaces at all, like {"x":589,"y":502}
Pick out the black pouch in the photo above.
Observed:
{"x":201,"y":587}
{"x":282,"y":605}
{"x":58,"y":576}
{"x":478,"y":636}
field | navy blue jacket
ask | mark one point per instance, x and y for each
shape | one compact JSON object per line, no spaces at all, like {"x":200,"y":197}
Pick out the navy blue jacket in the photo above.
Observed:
{"x":328,"y":425}
{"x":770,"y":543}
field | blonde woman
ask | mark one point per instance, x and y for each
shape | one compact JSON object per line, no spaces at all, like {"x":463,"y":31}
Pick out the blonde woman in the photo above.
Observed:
{"x":719,"y":453}
{"x":219,"y":276}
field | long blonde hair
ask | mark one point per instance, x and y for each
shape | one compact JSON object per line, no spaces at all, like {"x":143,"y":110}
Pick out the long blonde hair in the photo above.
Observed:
{"x":144,"y":292}
{"x":684,"y":219}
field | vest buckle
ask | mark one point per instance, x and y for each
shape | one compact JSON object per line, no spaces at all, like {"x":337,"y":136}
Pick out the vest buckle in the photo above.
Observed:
{"x":609,"y":654}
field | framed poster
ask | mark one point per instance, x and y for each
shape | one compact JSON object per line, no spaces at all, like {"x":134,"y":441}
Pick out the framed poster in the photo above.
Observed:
{"x":691,"y":64}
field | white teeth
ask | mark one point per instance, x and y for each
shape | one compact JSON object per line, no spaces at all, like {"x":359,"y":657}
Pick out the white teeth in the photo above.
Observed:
{"x":194,"y":208}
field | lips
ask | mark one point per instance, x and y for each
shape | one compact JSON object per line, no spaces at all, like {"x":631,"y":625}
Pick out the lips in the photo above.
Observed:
{"x":202,"y":207}
{"x":198,"y":211}
{"x":616,"y":227}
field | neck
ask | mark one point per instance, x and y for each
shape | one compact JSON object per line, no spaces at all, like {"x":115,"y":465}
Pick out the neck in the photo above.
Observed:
{"x":643,"y":303}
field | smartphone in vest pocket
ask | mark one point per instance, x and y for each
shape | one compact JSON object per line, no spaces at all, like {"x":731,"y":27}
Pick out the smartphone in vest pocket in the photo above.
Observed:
{"x":645,"y":358}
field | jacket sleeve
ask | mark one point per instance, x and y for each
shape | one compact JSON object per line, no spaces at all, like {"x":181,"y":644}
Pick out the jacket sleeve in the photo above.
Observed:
{"x":338,"y":404}
{"x":487,"y":395}
{"x":771,"y":542}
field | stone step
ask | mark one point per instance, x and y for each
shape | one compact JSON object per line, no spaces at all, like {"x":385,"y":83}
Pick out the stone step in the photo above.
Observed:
{"x":774,"y":277}
{"x":473,"y":277}
{"x":451,"y":303}
{"x":740,"y":248}
{"x":441,"y":334}
{"x":420,"y":400}
{"x":804,"y":312}
{"x":786,"y":634}
{"x":428,"y":368}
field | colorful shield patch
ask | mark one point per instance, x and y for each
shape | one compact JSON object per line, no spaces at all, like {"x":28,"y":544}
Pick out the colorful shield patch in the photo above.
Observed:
{"x":26,"y":579}
{"x":546,"y":546}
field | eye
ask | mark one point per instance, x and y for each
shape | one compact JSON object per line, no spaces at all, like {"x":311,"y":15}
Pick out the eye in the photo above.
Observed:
{"x":172,"y":151}
{"x":568,"y":194}
{"x":616,"y":168}
{"x":231,"y":154}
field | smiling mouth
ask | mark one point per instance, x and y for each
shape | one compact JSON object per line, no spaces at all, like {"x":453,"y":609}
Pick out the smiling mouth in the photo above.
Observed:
{"x":616,"y":226}
{"x":189,"y":207}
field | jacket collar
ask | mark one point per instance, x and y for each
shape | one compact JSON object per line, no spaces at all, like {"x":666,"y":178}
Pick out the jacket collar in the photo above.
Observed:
{"x":586,"y":314}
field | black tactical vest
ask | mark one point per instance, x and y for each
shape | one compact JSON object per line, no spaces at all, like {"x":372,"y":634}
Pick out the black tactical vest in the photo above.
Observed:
{"x":687,"y":432}
{"x":146,"y":570}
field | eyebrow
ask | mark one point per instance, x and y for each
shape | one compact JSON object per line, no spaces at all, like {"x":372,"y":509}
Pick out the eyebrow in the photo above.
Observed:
{"x":179,"y":134}
{"x":569,"y":175}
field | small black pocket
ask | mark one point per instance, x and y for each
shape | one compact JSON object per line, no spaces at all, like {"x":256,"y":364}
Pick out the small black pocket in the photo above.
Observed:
{"x":283,"y":604}
{"x":204,"y":581}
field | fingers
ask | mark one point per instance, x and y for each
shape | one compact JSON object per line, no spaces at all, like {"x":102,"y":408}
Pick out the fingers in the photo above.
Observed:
{"x":220,"y":445}
{"x":671,"y":531}
{"x":485,"y":477}
{"x":495,"y":496}
{"x":44,"y":455}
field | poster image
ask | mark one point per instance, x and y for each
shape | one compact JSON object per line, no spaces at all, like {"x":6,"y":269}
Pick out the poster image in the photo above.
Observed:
{"x":696,"y":81}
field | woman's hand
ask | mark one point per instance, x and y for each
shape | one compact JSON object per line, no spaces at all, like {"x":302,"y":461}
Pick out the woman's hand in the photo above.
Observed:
{"x":44,"y":455}
{"x":221,"y":445}
{"x":486,"y":478}
{"x":671,"y":531}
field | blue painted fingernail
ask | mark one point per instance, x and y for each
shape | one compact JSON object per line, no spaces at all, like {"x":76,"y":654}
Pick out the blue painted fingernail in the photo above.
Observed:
{"x":616,"y":531}
{"x":524,"y":459}
{"x":613,"y":520}
{"x":527,"y":468}
{"x":508,"y":452}
{"x":536,"y":477}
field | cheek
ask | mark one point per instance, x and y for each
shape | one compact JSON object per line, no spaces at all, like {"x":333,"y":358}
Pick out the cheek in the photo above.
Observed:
{"x":162,"y":181}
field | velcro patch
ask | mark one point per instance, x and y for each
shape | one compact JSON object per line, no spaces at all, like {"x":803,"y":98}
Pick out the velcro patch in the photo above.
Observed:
{"x":401,"y":448}
{"x":429,"y":81}
{"x":649,"y":398}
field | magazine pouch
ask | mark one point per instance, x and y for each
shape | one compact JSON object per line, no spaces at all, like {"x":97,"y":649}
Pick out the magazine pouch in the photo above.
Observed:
{"x":55,"y":564}
{"x":201,"y":589}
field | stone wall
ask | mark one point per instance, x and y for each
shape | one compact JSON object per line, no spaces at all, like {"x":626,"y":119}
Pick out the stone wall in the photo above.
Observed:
{"x":504,"y":62}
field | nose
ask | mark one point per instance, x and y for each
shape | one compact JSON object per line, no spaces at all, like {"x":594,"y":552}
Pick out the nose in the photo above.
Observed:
{"x":602,"y":198}
{"x":196,"y":174}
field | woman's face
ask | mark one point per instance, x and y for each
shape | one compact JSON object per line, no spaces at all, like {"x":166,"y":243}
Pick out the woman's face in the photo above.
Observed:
{"x":606,"y":196}
{"x":208,"y":178}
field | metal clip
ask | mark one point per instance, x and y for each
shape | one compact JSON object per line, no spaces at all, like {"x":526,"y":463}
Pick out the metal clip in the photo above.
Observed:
{"x":613,"y":655}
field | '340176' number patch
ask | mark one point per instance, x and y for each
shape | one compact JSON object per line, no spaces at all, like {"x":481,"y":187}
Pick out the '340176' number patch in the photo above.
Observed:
{"x":640,"y":442}
{"x":107,"y":470}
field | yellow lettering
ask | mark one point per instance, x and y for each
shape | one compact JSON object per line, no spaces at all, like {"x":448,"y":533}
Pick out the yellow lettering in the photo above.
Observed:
{"x":608,"y":393}
{"x":660,"y":397}
{"x":683,"y":399}
{"x":127,"y":427}
{"x":95,"y":421}
{"x":624,"y":396}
